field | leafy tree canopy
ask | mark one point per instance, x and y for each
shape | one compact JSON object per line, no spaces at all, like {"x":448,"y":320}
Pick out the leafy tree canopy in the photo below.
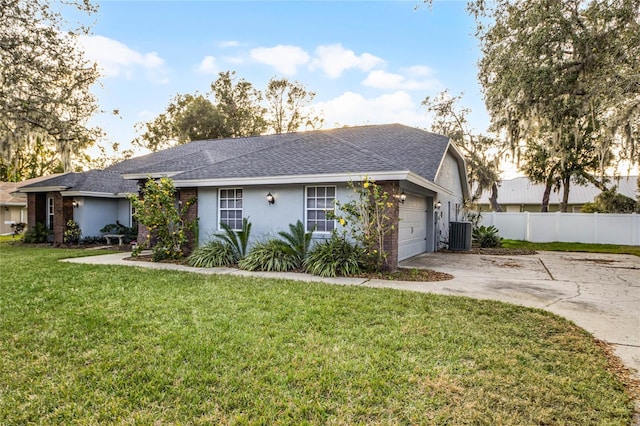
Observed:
{"x":560,"y":79}
{"x":235,"y":110}
{"x":482,"y":152}
{"x":44,"y":86}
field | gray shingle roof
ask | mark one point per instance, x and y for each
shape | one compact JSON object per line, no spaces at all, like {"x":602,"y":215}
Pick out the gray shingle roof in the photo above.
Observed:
{"x":102,"y":181}
{"x":349,"y":150}
{"x":356,"y":150}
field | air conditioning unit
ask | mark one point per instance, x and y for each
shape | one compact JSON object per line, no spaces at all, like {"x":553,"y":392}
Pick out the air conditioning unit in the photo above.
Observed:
{"x":460,"y":236}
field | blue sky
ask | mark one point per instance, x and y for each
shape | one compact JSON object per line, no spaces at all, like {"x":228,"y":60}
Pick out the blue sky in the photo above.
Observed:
{"x":368,"y":62}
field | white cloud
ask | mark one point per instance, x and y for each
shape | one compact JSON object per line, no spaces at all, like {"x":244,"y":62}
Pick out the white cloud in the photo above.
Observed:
{"x":233,"y":59}
{"x":208,"y":65}
{"x":354,"y":109}
{"x":385,"y":80}
{"x":117,"y":59}
{"x":285,"y":59}
{"x":228,"y":43}
{"x":334,"y":59}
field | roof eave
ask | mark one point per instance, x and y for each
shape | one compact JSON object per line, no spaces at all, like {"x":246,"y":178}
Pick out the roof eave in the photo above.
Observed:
{"x":155,"y":175}
{"x":42,"y":189}
{"x":96,"y":194}
{"x":399,"y":175}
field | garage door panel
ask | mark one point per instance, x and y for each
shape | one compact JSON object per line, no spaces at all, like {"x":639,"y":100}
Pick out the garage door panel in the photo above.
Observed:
{"x":412,"y":229}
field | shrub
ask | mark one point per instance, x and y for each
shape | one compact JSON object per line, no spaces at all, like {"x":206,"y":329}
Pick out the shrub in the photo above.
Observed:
{"x":368,"y":219}
{"x":297,"y":241}
{"x":130,"y":233}
{"x":92,"y":240}
{"x":334,"y":257}
{"x":18,"y":227}
{"x":164,"y":217}
{"x":214,"y":253}
{"x":72,"y":233}
{"x":272,"y":255}
{"x":238,"y":240}
{"x":37,"y":234}
{"x":487,"y":236}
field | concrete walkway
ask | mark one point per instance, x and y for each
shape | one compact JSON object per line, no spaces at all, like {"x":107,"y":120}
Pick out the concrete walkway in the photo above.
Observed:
{"x":599,"y":292}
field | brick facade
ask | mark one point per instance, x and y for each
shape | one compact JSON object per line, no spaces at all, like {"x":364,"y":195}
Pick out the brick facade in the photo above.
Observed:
{"x":31,"y":210}
{"x":391,"y":240}
{"x":184,"y":195}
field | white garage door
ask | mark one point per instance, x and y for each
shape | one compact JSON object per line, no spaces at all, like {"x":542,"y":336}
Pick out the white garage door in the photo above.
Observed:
{"x":412,"y":230}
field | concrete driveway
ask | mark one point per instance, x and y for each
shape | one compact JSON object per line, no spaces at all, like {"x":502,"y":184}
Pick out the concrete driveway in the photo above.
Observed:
{"x":598,"y":292}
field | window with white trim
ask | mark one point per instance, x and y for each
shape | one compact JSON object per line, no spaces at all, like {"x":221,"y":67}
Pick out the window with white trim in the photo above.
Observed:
{"x":133,"y":221}
{"x":318,"y":201}
{"x":50,"y":211}
{"x":230,"y":207}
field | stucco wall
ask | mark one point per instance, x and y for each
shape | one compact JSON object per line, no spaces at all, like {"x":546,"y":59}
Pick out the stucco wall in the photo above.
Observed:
{"x":92,"y":214}
{"x":451,"y":208}
{"x":266,"y":220}
{"x":124,"y":211}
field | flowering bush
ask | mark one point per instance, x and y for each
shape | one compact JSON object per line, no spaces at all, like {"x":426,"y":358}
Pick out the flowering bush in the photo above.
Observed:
{"x":368,"y":220}
{"x":72,"y":233}
{"x":163,"y":215}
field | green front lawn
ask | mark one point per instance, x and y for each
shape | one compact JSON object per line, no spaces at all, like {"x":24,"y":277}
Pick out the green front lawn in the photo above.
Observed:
{"x":577,"y":247}
{"x":84,"y":344}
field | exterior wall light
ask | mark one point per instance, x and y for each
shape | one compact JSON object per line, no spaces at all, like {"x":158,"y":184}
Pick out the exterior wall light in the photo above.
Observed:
{"x":270,"y":198}
{"x":402,"y":197}
{"x":74,"y":203}
{"x":438,"y":205}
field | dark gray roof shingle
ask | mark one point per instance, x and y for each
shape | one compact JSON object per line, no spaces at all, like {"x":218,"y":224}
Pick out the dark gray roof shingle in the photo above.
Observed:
{"x":101,"y":181}
{"x":356,"y":150}
{"x":348,"y":150}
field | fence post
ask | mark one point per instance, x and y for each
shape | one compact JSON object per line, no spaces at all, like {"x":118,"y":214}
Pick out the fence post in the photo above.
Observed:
{"x":635,"y":229}
{"x":594,"y":237}
{"x":527,"y":227}
{"x":557,"y":226}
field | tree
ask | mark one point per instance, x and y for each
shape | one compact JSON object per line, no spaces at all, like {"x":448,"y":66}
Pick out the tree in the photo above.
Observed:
{"x":239,"y":106}
{"x":560,"y":79}
{"x":187,"y":118}
{"x":105,"y":158}
{"x":288,"y":106}
{"x":44,"y":83}
{"x":610,"y":201}
{"x":236,"y":112}
{"x":482,"y":168}
{"x":164,"y":217}
{"x":35,"y":156}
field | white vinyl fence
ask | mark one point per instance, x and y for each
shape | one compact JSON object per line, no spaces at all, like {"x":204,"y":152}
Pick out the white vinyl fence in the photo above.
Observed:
{"x":566,"y":227}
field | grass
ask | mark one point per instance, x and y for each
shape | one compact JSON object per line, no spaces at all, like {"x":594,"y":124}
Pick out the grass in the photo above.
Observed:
{"x":577,"y":247}
{"x":9,"y":238}
{"x":83,"y":344}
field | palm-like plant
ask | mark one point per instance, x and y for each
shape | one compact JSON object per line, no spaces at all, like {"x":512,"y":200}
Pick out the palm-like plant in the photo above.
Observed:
{"x":239,"y":240}
{"x":297,"y":241}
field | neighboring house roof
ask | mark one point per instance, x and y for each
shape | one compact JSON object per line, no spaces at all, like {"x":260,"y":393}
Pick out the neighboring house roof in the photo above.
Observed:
{"x":522,"y":191}
{"x":92,"y":182}
{"x":8,"y":197}
{"x":391,"y":151}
